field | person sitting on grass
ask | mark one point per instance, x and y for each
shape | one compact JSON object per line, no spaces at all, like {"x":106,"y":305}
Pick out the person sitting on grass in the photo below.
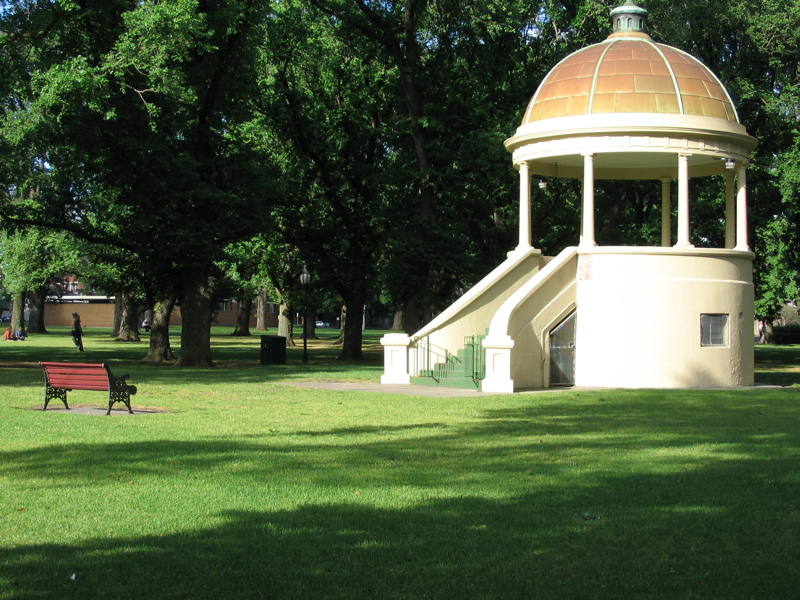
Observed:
{"x":9,"y":335}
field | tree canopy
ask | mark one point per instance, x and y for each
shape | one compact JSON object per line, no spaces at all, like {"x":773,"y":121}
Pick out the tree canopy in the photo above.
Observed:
{"x":362,"y":138}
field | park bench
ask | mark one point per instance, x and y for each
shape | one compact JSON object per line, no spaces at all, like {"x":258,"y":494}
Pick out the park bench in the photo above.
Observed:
{"x":61,"y":378}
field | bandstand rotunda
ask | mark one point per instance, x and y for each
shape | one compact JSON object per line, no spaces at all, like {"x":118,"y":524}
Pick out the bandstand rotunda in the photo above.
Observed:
{"x":627,"y":108}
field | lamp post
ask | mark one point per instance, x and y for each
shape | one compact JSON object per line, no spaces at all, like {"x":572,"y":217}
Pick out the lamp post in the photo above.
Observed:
{"x":305,"y":281}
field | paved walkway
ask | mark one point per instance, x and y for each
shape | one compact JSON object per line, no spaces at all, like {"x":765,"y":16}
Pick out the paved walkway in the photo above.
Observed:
{"x":433,"y":391}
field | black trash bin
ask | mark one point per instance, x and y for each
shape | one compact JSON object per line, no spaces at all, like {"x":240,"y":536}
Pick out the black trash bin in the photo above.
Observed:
{"x":273,"y":350}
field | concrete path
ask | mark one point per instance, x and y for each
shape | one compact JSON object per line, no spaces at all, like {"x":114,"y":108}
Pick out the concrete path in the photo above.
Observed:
{"x":433,"y":391}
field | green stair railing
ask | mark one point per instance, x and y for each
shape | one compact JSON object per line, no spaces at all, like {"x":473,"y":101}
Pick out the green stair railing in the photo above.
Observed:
{"x":433,"y":361}
{"x":475,"y":358}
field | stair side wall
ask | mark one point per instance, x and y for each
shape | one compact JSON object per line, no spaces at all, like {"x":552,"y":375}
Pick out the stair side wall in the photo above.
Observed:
{"x":517,"y":351}
{"x":472,"y":313}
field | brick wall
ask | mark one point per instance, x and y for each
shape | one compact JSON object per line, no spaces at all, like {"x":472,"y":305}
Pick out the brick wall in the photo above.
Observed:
{"x":101,"y":315}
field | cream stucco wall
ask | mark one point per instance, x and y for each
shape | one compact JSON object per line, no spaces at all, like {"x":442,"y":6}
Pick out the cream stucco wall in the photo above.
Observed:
{"x":472,"y":313}
{"x":517,"y":347}
{"x":639,"y":317}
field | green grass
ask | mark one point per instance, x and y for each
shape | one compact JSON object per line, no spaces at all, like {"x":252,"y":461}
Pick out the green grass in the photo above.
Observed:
{"x":240,"y":485}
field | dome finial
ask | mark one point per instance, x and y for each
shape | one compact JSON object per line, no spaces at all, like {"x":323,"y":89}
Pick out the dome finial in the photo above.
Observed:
{"x":629,"y":17}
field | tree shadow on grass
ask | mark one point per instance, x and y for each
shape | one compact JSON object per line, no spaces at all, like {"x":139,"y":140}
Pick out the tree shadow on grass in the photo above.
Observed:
{"x":777,"y":365}
{"x":538,"y":545}
{"x":679,"y":498}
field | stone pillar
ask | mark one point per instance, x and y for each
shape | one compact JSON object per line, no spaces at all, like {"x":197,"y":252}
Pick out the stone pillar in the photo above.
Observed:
{"x":524,"y":207}
{"x":395,"y":358}
{"x":741,"y":207}
{"x":666,"y":216}
{"x":730,"y":211}
{"x":683,"y":202}
{"x":498,"y":364}
{"x":587,"y":205}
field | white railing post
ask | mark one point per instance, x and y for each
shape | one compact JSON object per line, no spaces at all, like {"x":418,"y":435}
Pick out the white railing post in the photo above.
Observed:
{"x":395,"y":358}
{"x":498,"y":364}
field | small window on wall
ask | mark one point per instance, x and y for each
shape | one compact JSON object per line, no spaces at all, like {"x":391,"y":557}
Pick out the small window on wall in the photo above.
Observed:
{"x":713,"y":330}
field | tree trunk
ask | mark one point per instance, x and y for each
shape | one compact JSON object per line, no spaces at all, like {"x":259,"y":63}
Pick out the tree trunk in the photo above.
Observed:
{"x":117,"y":325}
{"x":416,"y":313}
{"x":397,"y":323}
{"x":285,"y":324}
{"x":36,"y":304}
{"x":342,"y":322}
{"x":128,"y":330}
{"x":196,"y":311}
{"x":312,"y":327}
{"x":261,"y":310}
{"x":160,"y":350}
{"x":243,"y":316}
{"x":18,"y":311}
{"x":353,"y":326}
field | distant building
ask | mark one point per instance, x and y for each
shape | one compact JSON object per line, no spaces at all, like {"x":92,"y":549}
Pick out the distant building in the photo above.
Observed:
{"x":98,"y":311}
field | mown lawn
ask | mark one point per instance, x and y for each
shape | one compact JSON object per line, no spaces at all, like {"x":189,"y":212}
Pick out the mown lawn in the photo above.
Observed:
{"x":238,"y":484}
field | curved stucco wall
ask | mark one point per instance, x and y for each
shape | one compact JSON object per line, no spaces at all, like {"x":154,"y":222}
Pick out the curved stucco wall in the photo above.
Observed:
{"x":472,"y":313}
{"x":516,"y":351}
{"x":639,"y":317}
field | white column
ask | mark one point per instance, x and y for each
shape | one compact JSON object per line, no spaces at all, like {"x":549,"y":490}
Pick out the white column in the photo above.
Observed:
{"x":498,"y":364}
{"x":683,"y":202}
{"x":587,"y":205}
{"x":730,"y":211}
{"x":524,"y":206}
{"x":741,"y":207}
{"x":395,"y":358}
{"x":666,"y":216}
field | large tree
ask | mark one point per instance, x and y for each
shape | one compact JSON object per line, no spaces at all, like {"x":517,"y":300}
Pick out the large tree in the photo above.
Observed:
{"x":328,"y":102}
{"x":461,"y":76}
{"x":130,"y":127}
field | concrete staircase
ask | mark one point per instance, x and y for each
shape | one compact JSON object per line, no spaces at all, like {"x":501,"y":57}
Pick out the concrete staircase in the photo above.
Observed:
{"x":463,"y":370}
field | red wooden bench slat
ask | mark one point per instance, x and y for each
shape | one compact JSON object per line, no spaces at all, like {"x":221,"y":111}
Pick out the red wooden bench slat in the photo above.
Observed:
{"x":75,"y":370}
{"x":95,"y":372}
{"x":76,"y":381}
{"x":78,"y":373}
{"x":71,"y":365}
{"x":78,"y":384}
{"x":78,"y":370}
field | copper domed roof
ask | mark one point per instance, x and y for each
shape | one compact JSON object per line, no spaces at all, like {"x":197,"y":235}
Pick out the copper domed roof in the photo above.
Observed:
{"x":632,"y":104}
{"x":629,"y":73}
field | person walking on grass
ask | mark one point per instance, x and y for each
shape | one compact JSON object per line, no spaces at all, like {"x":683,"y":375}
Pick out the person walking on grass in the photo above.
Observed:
{"x":77,"y":331}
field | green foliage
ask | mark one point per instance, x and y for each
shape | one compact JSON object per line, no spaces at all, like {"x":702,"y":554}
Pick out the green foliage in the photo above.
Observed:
{"x":365,"y":136}
{"x":30,"y":259}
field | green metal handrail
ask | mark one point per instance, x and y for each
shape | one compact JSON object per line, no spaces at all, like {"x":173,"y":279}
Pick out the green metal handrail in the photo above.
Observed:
{"x":432,"y":361}
{"x":476,"y":358}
